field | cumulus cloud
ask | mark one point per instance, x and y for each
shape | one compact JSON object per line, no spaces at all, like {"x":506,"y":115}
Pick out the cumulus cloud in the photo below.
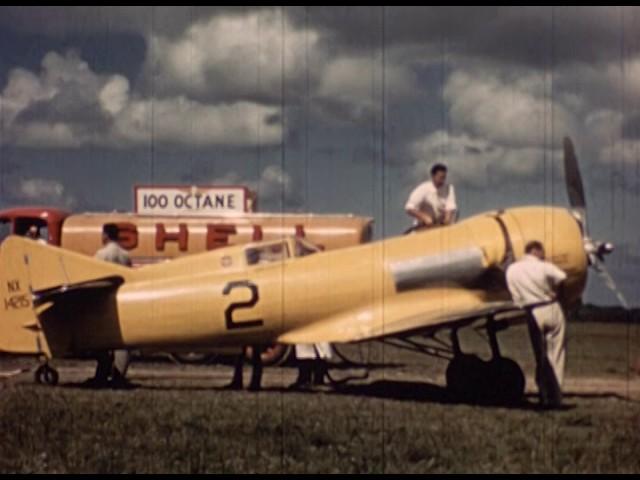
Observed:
{"x":598,"y":103}
{"x":515,"y":34}
{"x":57,"y":107}
{"x":478,"y":162}
{"x":274,"y":186}
{"x":183,"y":121}
{"x":114,"y":95}
{"x":351,"y":87}
{"x":274,"y":181}
{"x":41,"y":191}
{"x":604,"y":126}
{"x":622,"y":151}
{"x":64,"y":20}
{"x":69,"y":105}
{"x":524,"y":35}
{"x":219,"y":81}
{"x":518,"y":112}
{"x":502,"y":128}
{"x":264,"y":56}
{"x":519,"y":75}
{"x":232,"y":57}
{"x":513,"y":112}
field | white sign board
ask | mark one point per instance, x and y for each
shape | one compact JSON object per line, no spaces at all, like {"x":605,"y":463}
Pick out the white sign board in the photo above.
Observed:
{"x":190,"y":200}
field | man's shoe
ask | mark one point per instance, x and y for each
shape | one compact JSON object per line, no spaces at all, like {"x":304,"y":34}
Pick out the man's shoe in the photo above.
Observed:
{"x":233,"y":386}
{"x":300,"y":385}
{"x":548,"y":406}
{"x":254,"y":387}
{"x":118,"y":382}
{"x":94,"y":382}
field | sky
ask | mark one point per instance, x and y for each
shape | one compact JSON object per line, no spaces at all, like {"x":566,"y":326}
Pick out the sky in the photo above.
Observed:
{"x":327,"y":109}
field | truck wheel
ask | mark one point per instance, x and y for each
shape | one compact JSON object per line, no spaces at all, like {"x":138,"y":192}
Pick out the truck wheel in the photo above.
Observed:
{"x":273,"y":356}
{"x":194,"y":358}
{"x":46,"y":375}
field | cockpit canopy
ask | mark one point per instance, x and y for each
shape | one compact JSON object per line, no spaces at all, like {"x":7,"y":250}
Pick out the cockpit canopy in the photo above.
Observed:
{"x":279,"y":250}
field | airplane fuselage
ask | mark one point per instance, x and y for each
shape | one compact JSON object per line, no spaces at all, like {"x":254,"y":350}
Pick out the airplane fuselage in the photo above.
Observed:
{"x":257,"y":304}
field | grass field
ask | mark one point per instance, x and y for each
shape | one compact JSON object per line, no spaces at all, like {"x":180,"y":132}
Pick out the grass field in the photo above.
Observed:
{"x":400,"y":419}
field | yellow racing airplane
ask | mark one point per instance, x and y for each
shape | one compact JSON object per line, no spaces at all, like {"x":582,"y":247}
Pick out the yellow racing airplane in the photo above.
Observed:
{"x":59,"y":303}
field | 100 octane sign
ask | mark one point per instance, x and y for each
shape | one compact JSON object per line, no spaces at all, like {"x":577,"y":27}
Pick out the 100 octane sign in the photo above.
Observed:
{"x":192,"y":200}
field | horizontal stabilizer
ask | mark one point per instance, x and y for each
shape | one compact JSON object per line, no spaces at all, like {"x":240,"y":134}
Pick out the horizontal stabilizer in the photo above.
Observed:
{"x":41,"y":297}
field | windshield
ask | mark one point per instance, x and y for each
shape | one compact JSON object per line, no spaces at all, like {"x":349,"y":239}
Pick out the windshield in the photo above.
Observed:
{"x":5,"y":230}
{"x":304,"y":248}
{"x":267,"y":253}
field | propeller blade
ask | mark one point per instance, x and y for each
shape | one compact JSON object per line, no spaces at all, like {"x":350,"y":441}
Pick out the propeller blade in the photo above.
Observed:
{"x":573,"y":179}
{"x":577,"y":200}
{"x":609,"y":281}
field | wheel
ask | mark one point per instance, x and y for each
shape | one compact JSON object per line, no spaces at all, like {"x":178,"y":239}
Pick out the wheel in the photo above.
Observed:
{"x":466,"y":377}
{"x":273,"y":356}
{"x":46,"y":375}
{"x":194,"y":358}
{"x":506,"y":381}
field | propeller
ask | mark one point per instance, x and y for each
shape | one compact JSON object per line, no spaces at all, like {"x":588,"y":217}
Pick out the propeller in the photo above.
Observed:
{"x":596,"y":251}
{"x":573,"y":181}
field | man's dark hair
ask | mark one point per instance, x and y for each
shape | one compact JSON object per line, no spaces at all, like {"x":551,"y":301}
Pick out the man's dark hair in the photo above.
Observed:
{"x":533,"y":245}
{"x":438,"y":167}
{"x":111,"y":231}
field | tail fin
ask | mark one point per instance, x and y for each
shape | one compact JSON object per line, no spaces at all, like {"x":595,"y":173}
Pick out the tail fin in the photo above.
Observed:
{"x":32,"y":274}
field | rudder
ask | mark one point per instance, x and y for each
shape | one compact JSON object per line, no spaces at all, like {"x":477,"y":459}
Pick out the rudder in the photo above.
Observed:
{"x":27,"y":267}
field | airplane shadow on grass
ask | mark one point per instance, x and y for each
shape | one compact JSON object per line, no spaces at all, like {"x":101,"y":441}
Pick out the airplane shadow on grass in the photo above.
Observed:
{"x":433,"y":393}
{"x":399,"y":390}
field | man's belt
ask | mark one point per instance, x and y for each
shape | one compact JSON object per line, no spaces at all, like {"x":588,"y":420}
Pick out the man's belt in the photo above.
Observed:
{"x":532,"y":306}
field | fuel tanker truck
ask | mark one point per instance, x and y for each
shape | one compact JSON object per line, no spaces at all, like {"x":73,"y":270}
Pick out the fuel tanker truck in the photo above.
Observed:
{"x":152,"y":236}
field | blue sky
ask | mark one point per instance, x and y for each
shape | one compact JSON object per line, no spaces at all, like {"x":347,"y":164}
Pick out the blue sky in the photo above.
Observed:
{"x":320,"y":109}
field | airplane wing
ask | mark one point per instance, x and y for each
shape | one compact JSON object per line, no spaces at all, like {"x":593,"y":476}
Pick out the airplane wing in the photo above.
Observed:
{"x":408,"y":313}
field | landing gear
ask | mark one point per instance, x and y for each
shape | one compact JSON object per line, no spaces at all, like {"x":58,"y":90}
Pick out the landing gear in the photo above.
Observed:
{"x":498,"y":381}
{"x":46,"y":375}
{"x":507,"y":381}
{"x":466,"y":377}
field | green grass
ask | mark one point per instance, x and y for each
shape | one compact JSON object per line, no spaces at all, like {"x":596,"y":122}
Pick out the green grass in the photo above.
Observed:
{"x":191,"y":428}
{"x":75,"y":431}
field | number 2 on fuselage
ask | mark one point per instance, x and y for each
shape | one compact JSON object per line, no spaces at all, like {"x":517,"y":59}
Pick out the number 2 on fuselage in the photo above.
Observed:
{"x":228,"y":313}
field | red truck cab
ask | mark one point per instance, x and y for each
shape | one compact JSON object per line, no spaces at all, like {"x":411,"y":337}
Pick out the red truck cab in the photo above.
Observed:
{"x":16,"y":221}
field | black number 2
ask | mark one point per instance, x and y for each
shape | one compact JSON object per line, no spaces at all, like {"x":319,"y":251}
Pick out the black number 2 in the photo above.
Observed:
{"x":228,"y":313}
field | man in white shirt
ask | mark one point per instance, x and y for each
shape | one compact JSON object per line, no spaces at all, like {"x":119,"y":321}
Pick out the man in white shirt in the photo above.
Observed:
{"x":312,"y":365}
{"x":536,"y":285}
{"x":112,"y":366}
{"x":433,"y":203}
{"x":112,"y":251}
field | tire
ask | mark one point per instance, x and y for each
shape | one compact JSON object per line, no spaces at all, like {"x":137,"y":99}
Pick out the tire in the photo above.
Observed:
{"x":46,"y":375}
{"x":466,"y":377}
{"x":507,"y":382}
{"x":194,"y":358}
{"x":273,"y":356}
{"x":497,"y":382}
